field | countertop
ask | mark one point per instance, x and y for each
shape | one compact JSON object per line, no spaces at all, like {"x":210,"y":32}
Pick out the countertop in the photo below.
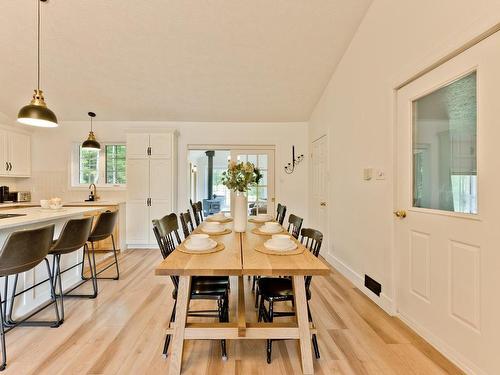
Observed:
{"x":36,"y":215}
{"x":66,"y":204}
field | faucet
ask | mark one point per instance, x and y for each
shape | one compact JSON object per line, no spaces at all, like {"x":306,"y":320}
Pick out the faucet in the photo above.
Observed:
{"x":93,"y":193}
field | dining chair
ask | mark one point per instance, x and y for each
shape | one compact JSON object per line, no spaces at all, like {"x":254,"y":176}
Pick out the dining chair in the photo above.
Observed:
{"x":275,"y":289}
{"x":166,"y":231}
{"x":294,"y":225}
{"x":186,"y":223}
{"x":22,"y":251}
{"x":280,"y":213}
{"x":197,"y":212}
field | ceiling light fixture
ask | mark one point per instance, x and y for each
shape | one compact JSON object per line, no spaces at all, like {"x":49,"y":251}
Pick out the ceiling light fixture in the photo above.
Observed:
{"x":91,"y":142}
{"x":37,"y":113}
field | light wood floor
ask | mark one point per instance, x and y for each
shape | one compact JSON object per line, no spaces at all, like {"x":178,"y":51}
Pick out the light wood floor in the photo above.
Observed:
{"x":121,"y":332}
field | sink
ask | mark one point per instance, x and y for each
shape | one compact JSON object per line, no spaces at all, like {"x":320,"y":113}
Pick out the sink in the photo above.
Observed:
{"x":6,"y":216}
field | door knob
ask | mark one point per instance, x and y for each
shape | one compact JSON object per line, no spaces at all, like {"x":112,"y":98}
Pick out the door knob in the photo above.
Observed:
{"x":323,"y":204}
{"x":400,"y":213}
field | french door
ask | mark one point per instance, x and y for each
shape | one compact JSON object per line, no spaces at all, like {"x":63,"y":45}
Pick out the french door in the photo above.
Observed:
{"x":447,"y":227}
{"x":260,"y":198}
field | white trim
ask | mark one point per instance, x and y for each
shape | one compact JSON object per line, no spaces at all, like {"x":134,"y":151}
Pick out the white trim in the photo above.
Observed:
{"x":458,"y":359}
{"x":384,"y":301}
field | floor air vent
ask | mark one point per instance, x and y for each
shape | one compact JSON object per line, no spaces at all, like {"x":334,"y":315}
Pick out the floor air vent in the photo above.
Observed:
{"x":373,"y":285}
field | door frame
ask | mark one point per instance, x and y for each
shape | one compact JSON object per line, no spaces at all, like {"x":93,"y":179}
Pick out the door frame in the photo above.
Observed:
{"x":230,"y":147}
{"x":460,"y":44}
{"x":326,"y":234}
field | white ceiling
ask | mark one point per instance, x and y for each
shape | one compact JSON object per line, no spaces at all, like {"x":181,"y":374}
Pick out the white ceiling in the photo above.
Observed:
{"x":177,"y":60}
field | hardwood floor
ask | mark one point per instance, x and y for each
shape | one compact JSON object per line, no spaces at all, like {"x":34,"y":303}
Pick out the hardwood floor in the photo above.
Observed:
{"x":121,"y":332}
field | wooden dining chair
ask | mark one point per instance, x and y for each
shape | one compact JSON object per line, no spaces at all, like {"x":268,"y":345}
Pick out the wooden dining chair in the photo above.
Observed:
{"x":186,"y":223}
{"x":197,"y":212}
{"x":275,"y":289}
{"x":294,"y":225}
{"x":166,"y":231}
{"x":280,"y":213}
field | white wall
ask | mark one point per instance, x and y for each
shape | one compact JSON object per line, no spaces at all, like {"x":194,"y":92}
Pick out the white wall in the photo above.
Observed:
{"x":51,"y":155}
{"x":395,"y":40}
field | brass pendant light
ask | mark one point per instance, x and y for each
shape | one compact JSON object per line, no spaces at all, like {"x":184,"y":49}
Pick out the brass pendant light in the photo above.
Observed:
{"x":37,"y":113}
{"x":91,"y":142}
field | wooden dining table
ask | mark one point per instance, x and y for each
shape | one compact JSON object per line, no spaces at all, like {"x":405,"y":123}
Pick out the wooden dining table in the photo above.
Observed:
{"x":239,"y":258}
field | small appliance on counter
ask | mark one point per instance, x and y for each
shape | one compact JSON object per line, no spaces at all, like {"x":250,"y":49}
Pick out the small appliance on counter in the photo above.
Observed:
{"x":4,"y":194}
{"x":20,"y":196}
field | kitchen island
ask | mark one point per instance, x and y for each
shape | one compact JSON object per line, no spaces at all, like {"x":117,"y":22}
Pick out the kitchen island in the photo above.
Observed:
{"x":34,"y":217}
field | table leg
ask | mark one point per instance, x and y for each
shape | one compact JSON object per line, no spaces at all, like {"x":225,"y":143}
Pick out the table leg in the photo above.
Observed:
{"x":180,"y":324}
{"x":299,"y":291}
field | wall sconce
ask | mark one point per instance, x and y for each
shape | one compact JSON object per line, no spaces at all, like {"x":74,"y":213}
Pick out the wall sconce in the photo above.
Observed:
{"x":290,"y":167}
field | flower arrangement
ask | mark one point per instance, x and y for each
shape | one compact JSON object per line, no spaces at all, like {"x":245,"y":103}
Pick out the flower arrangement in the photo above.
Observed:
{"x":241,"y":176}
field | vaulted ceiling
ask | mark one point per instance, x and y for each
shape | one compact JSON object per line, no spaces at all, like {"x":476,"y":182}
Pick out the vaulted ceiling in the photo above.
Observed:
{"x":177,"y":60}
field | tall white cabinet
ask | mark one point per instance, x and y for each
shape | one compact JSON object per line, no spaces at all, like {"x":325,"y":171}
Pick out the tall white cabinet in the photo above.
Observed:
{"x":151,"y":183}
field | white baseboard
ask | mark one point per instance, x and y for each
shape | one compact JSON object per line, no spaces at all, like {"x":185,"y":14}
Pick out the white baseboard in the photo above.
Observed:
{"x":458,"y":359}
{"x":384,"y":301}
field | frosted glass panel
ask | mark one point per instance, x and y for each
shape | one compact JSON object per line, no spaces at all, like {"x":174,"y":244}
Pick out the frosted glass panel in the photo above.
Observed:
{"x":444,"y":148}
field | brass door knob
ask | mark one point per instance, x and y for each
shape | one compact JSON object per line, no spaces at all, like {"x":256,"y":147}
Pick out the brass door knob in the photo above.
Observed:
{"x":323,"y":204}
{"x":400,"y":213}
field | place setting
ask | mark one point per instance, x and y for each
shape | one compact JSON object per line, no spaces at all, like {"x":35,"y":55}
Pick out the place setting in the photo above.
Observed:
{"x":268,"y":228}
{"x":214,"y":228}
{"x":219,"y":217}
{"x":280,"y":244}
{"x":200,"y":243}
{"x":260,"y":218}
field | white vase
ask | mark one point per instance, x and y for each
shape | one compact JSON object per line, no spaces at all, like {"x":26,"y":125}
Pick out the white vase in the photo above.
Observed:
{"x":240,"y":212}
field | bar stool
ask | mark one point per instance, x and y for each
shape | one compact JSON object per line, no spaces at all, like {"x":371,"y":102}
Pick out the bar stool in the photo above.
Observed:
{"x":22,"y":251}
{"x":73,"y":236}
{"x":103,"y":229}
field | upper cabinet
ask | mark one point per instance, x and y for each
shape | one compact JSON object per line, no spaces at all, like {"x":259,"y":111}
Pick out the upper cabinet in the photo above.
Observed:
{"x":15,"y":154}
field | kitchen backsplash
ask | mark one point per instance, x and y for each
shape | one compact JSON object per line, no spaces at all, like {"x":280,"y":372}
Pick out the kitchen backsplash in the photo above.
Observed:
{"x":45,"y":185}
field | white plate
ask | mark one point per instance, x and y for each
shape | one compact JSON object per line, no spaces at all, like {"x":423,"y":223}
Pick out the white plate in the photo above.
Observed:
{"x":263,"y":230}
{"x":211,"y":244}
{"x":206,"y":230}
{"x":213,"y":218}
{"x":269,"y":245}
{"x":261,"y":219}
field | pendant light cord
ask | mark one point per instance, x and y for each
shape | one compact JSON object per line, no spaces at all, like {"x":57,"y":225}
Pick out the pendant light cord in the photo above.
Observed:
{"x":38,"y":47}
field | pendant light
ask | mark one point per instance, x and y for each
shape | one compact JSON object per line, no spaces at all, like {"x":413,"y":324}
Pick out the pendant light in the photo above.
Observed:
{"x":36,"y":113}
{"x":91,"y":142}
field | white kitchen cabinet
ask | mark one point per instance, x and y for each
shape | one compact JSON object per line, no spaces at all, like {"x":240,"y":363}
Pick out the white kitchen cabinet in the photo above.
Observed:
{"x":15,"y":154}
{"x":151,"y":184}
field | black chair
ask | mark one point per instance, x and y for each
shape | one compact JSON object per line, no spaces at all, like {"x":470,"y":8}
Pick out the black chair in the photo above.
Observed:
{"x":103,"y":229}
{"x":186,"y":223}
{"x":73,"y":236}
{"x":294,"y":225}
{"x":280,"y":213}
{"x":197,"y":212}
{"x":281,"y":289}
{"x":202,"y":287}
{"x":22,"y":251}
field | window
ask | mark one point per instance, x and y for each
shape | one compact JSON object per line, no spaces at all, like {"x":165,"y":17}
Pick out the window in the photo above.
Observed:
{"x":105,"y":167}
{"x":444,"y":148}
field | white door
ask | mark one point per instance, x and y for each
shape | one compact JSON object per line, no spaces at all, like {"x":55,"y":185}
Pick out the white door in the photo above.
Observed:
{"x":261,"y":199}
{"x":448,"y":246}
{"x":320,"y":186}
{"x":160,"y":171}
{"x":138,"y":224}
{"x":19,"y":154}
{"x":137,"y":201}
